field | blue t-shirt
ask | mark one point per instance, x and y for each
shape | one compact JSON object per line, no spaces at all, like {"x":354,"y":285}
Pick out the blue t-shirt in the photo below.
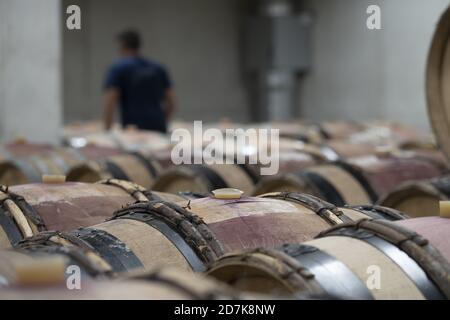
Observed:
{"x":142,"y":84}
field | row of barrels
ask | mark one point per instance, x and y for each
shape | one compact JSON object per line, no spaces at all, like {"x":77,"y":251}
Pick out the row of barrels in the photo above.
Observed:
{"x":407,"y":259}
{"x":351,"y":180}
{"x":29,"y":210}
{"x":358,"y":180}
{"x":323,"y":132}
{"x":142,"y":157}
{"x":283,"y":244}
{"x":28,"y":163}
{"x":159,"y":284}
{"x":374,"y":132}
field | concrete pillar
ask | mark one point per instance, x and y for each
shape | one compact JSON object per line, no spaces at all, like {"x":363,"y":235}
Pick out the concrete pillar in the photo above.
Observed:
{"x":30,"y":70}
{"x":278,"y":85}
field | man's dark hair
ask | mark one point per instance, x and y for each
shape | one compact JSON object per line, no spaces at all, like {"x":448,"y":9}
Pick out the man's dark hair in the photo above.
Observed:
{"x":130,"y":39}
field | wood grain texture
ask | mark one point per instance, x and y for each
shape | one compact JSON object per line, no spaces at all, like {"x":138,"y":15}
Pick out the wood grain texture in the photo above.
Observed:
{"x":68,"y":206}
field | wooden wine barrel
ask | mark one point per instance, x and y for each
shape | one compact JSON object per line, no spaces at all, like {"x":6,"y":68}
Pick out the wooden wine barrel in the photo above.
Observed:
{"x":438,"y":81}
{"x":205,"y":178}
{"x":29,"y":169}
{"x":23,"y":148}
{"x":357,"y":181}
{"x":339,"y":130}
{"x":330,"y":150}
{"x":384,"y":174}
{"x":422,"y":144}
{"x":392,"y":133}
{"x":93,"y":152}
{"x":337,"y":183}
{"x":129,"y":139}
{"x":297,"y":130}
{"x":57,"y":161}
{"x":163,"y":157}
{"x":26,"y":149}
{"x":434,"y":155}
{"x":163,"y":284}
{"x":333,"y":150}
{"x":191,"y":234}
{"x":133,"y":167}
{"x":171,"y":197}
{"x":82,"y":128}
{"x":28,"y":209}
{"x":350,"y":213}
{"x":290,"y":152}
{"x":370,"y":259}
{"x":293,"y":161}
{"x":346,"y":150}
{"x":419,"y":199}
{"x":434,"y":229}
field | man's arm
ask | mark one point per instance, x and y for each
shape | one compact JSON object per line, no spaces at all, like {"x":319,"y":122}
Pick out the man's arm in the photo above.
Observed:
{"x":169,"y":103}
{"x":111,"y":100}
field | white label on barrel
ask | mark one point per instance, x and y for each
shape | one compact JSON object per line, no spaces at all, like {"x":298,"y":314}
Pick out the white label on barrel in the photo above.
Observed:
{"x":444,"y":208}
{"x":43,"y":271}
{"x":53,"y":178}
{"x":228,"y":193}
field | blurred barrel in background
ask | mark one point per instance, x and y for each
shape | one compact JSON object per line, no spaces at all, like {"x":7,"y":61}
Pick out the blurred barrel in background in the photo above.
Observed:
{"x":384,"y":174}
{"x":339,"y":130}
{"x":346,"y":150}
{"x":356,"y":181}
{"x":205,"y":178}
{"x":134,"y":167}
{"x":291,"y":161}
{"x":419,"y":199}
{"x":24,"y":148}
{"x":22,"y":170}
{"x":329,"y":150}
{"x":93,"y":152}
{"x":128,"y":139}
{"x":332,"y":182}
{"x":30,"y":167}
{"x":394,"y":134}
{"x":296,"y":130}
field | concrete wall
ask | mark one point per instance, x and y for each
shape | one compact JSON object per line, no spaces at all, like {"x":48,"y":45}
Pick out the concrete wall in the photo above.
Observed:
{"x":30,"y":70}
{"x":360,"y":74}
{"x":357,"y":73}
{"x":198,"y":40}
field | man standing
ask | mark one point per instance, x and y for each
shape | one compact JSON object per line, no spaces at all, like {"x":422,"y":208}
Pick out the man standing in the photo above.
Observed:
{"x":140,"y":87}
